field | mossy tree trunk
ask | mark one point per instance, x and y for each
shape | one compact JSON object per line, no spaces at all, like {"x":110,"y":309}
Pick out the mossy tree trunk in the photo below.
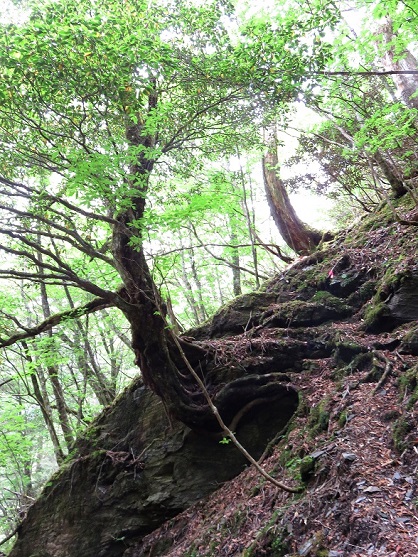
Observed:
{"x":155,"y":346}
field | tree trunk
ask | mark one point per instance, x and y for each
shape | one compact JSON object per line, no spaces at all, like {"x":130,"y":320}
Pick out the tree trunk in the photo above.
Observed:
{"x":104,"y":389}
{"x":396,"y":183}
{"x":155,"y":349}
{"x":45,"y":409}
{"x":250,"y":219}
{"x":406,"y":85}
{"x":52,"y":368}
{"x":297,"y":235}
{"x":236,"y":271}
{"x":163,"y":358}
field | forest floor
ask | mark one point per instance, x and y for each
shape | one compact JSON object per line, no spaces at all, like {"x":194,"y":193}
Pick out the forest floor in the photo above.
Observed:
{"x":353,"y":444}
{"x":360,"y":496}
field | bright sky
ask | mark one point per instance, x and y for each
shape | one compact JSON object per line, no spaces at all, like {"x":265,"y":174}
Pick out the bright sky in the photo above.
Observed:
{"x":9,"y":13}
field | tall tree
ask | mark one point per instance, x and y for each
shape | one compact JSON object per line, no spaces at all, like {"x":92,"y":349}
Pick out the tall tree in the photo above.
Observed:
{"x":94,"y":99}
{"x":301,"y":238}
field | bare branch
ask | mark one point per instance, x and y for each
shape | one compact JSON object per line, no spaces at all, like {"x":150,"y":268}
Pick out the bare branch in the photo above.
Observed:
{"x":218,"y":258}
{"x":56,"y":199}
{"x":94,"y":305}
{"x":367,"y":73}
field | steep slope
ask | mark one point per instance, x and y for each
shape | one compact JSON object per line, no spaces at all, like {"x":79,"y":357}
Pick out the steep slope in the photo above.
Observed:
{"x":334,"y":339}
{"x":353,"y":442}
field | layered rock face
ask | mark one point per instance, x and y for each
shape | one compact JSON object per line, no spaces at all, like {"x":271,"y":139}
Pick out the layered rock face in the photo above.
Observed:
{"x":133,"y":470}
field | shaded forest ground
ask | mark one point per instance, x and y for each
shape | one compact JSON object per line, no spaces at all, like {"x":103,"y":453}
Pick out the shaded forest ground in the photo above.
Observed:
{"x":353,"y":442}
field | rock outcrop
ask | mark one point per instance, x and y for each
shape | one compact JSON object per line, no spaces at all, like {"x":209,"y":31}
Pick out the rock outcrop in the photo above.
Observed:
{"x":135,"y":468}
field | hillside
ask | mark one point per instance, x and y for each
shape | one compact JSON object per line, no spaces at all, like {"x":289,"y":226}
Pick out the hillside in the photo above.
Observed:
{"x":338,"y":331}
{"x":353,"y":442}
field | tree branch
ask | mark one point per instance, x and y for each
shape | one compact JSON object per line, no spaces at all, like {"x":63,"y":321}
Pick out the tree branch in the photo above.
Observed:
{"x":29,"y":191}
{"x":94,"y":305}
{"x":222,"y":259}
{"x":366,"y":73}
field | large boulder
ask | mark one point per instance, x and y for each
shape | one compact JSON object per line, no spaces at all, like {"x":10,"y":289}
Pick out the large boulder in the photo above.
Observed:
{"x":135,"y":468}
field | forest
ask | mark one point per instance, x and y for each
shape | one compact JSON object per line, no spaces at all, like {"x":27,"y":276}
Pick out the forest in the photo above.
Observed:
{"x":179,"y":179}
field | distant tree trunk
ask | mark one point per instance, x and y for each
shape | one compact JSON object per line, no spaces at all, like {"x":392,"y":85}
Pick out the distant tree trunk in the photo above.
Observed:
{"x":189,"y":291}
{"x":45,"y":408}
{"x":53,"y":370}
{"x":236,"y":271}
{"x":297,"y":235}
{"x":396,"y":183}
{"x":199,"y":289}
{"x":104,"y":390}
{"x":250,"y":219}
{"x":406,"y":85}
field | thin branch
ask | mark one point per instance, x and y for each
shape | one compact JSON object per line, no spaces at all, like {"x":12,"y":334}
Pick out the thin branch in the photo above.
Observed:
{"x":218,"y":258}
{"x":56,"y":199}
{"x":94,"y":305}
{"x":13,"y":533}
{"x":5,"y":383}
{"x":260,"y":243}
{"x":365,"y":73}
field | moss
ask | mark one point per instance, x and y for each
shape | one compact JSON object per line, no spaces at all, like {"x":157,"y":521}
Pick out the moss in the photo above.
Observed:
{"x":408,"y":386}
{"x":410,"y":342}
{"x":401,"y":428}
{"x":322,"y":295}
{"x":362,"y":362}
{"x":191,"y":552}
{"x":375,"y":316}
{"x":268,"y":540}
{"x":345,"y":352}
{"x":390,"y":415}
{"x":307,"y":468}
{"x":363,"y":294}
{"x":342,"y":418}
{"x":319,"y":418}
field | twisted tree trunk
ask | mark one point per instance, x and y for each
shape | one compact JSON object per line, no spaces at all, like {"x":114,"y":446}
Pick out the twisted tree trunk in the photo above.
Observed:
{"x":298,"y":236}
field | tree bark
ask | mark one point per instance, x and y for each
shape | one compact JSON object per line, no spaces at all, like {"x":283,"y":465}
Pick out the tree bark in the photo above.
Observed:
{"x":396,"y":183}
{"x":298,"y":236}
{"x":156,"y":353}
{"x":235,"y":260}
{"x":162,"y":357}
{"x":53,"y":373}
{"x":406,"y":84}
{"x":45,"y":409}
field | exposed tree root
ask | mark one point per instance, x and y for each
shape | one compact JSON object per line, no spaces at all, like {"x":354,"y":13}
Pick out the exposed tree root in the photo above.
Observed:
{"x":228,"y":433}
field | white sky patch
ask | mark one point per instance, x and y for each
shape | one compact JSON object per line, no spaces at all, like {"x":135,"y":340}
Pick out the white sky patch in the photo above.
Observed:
{"x":9,"y":13}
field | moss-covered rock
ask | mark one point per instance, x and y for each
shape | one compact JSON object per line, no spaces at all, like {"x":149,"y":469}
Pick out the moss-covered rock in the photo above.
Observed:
{"x":135,"y":468}
{"x":409,"y":344}
{"x":299,"y":313}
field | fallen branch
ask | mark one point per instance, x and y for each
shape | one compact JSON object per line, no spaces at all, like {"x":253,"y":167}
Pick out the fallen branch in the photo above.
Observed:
{"x":226,"y":429}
